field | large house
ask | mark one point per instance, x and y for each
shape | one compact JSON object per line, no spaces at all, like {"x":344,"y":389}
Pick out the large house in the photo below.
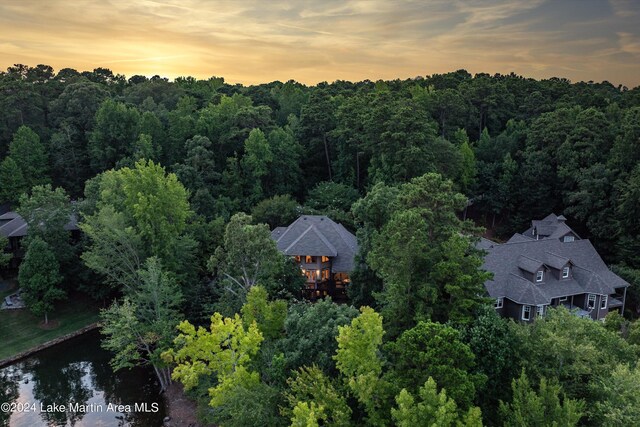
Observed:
{"x":15,"y":228}
{"x":550,"y":265}
{"x":323,"y":249}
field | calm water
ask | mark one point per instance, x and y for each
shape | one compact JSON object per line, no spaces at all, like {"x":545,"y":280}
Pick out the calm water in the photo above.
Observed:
{"x":77,"y":374}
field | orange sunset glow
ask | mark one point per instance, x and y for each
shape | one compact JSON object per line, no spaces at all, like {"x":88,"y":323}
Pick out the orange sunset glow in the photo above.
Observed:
{"x":259,"y":41}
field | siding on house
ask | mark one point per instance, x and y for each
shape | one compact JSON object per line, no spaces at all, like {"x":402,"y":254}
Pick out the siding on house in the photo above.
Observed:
{"x":542,"y":247}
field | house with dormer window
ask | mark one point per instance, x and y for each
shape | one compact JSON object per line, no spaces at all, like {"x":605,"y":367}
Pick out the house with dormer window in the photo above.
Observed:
{"x":550,"y":265}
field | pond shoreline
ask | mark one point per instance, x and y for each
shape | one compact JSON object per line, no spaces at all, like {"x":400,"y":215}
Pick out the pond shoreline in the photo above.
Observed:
{"x":51,"y":343}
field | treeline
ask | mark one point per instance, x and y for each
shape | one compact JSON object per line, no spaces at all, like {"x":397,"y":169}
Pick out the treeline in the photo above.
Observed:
{"x":178,"y":183}
{"x":518,"y":147}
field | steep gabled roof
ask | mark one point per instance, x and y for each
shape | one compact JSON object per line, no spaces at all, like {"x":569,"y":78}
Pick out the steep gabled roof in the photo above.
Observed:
{"x":551,"y":227}
{"x":318,"y":235}
{"x":556,"y":261}
{"x":529,"y":264}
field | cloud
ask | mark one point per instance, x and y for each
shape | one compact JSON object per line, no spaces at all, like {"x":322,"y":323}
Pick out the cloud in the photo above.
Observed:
{"x":310,"y":41}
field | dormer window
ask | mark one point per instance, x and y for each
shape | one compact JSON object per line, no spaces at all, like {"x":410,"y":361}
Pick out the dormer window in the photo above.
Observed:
{"x":539,"y":276}
{"x":565,"y":272}
{"x":568,"y":239}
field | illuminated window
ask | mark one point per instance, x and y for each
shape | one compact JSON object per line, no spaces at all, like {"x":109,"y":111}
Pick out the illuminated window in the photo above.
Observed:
{"x":325,"y":259}
{"x":309,"y":259}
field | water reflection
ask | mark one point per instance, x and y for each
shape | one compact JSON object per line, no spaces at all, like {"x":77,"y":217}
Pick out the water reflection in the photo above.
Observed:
{"x":9,"y":379}
{"x":75,"y":386}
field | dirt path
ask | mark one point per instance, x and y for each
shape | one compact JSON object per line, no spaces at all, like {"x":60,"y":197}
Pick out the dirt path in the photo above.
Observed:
{"x":180,"y":409}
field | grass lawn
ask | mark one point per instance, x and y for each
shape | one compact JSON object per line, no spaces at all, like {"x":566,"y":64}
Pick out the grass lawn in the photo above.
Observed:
{"x":20,"y":330}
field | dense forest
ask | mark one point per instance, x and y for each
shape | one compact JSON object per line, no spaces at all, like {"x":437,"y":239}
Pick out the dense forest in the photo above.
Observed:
{"x":176,"y":186}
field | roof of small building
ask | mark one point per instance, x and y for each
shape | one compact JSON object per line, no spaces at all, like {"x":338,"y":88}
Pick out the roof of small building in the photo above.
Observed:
{"x":13,"y":225}
{"x":318,"y":235}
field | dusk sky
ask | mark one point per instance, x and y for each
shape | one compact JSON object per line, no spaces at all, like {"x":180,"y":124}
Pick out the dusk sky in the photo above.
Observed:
{"x":325,"y":40}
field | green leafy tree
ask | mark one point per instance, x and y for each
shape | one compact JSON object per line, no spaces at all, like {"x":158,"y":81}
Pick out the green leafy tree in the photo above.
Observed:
{"x":269,"y":316}
{"x":13,"y":182}
{"x":467,"y":174}
{"x":619,"y":403}
{"x":332,"y":199}
{"x":143,"y":149}
{"x":497,"y":357}
{"x":224,"y":351}
{"x":402,"y":139}
{"x":371,"y":213}
{"x":247,"y":257}
{"x":572,"y":350}
{"x":256,"y":163}
{"x":198,"y":172}
{"x":30,"y":156}
{"x":426,"y":257}
{"x":143,"y":211}
{"x":317,"y":120}
{"x":39,"y":277}
{"x":182,"y":121}
{"x":359,"y":362}
{"x":229,"y":122}
{"x":4,"y":256}
{"x":310,"y":334}
{"x":69,"y":158}
{"x":140,"y":328}
{"x":432,"y":409}
{"x":311,"y":386}
{"x":115,"y":132}
{"x":246,"y":401}
{"x":47,"y":211}
{"x":307,"y":414}
{"x":547,"y":406}
{"x":285,"y":175}
{"x":225,"y":348}
{"x":276,"y":211}
{"x":433,"y":350}
{"x":629,"y":231}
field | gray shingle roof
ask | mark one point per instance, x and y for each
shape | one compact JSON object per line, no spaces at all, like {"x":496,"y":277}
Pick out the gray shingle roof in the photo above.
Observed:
{"x":589,"y":274}
{"x":485,"y":243}
{"x":12,"y":225}
{"x":318,"y":235}
{"x":16,"y":227}
{"x":551,"y":227}
{"x":529,"y":264}
{"x":556,"y":261}
{"x":519,"y":238}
